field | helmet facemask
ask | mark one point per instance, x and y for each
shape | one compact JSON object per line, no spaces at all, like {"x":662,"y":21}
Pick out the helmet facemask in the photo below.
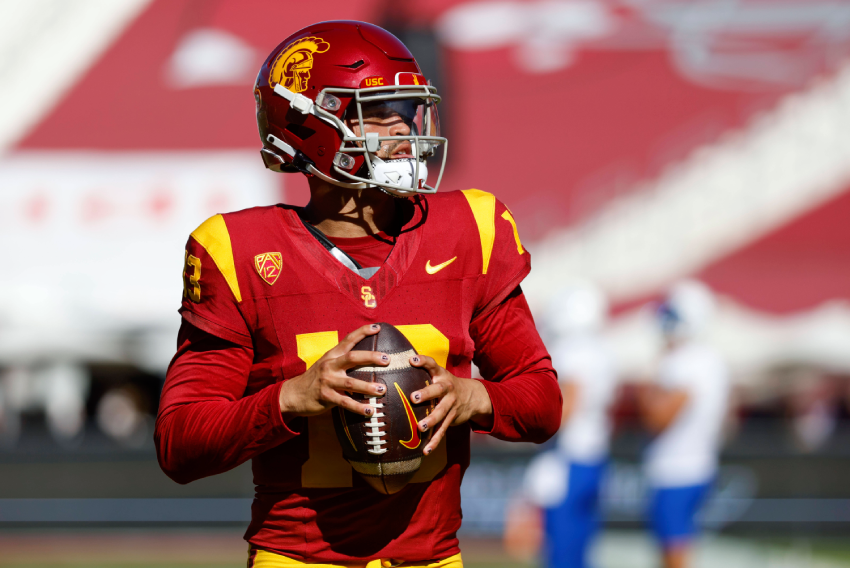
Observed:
{"x":395,"y":160}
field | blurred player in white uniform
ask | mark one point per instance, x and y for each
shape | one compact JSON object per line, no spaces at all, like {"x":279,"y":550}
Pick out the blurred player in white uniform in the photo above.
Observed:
{"x":685,"y":408}
{"x":565,"y":483}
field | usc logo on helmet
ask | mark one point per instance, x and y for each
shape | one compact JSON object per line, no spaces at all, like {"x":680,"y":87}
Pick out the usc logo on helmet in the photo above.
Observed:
{"x":291,"y":68}
{"x":373,"y":82}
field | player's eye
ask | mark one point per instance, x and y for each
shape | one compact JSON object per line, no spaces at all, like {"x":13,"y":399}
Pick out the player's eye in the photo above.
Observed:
{"x":403,"y":108}
{"x":376,"y":110}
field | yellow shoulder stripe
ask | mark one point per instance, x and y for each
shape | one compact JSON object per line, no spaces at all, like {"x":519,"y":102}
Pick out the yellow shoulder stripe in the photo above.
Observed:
{"x":483,"y":207}
{"x":213,"y":236}
{"x":509,"y":218}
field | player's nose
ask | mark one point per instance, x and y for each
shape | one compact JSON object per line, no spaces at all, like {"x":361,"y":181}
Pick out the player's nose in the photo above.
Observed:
{"x":399,"y":128}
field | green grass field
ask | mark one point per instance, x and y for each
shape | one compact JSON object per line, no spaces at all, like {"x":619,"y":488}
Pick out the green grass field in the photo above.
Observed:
{"x":225,"y":549}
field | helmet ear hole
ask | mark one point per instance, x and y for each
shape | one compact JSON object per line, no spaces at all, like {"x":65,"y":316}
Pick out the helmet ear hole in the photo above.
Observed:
{"x":299,"y":131}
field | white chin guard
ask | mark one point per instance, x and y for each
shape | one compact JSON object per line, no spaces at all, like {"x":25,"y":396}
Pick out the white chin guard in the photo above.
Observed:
{"x":399,"y":173}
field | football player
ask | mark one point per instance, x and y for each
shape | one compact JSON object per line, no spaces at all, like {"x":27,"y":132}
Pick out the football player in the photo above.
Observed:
{"x":587,"y":374}
{"x":275,"y":298}
{"x":686,"y":409}
{"x":566,"y":482}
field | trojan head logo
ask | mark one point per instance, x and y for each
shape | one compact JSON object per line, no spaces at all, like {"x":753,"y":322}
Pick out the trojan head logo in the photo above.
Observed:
{"x":291,"y":68}
{"x":268,"y":266}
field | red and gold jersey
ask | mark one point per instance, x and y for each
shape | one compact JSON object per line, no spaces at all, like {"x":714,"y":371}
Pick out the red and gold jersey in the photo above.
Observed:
{"x":259,"y":279}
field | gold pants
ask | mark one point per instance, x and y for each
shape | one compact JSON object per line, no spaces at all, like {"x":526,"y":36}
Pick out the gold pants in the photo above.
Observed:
{"x":264,"y":559}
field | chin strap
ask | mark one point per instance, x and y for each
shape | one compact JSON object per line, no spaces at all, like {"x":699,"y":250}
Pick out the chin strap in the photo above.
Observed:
{"x":296,"y":100}
{"x":307,"y":166}
{"x":386,"y":172}
{"x":404,"y":175}
{"x":281,"y":145}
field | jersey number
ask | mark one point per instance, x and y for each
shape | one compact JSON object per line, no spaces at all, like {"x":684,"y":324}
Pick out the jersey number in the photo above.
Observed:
{"x":325,"y":466}
{"x":192,"y":277}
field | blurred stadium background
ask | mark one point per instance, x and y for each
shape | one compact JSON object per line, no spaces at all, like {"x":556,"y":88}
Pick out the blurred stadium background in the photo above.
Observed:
{"x":636,"y":141}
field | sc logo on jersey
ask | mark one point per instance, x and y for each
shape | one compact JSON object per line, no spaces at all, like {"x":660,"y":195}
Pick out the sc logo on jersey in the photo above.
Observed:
{"x":368,"y":298}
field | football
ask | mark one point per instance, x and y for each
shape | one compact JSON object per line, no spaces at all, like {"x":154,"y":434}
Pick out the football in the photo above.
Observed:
{"x":386,"y":448}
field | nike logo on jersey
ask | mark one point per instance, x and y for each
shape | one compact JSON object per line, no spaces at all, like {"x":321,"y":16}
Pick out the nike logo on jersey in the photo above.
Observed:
{"x":435,"y":269}
{"x":414,"y":440}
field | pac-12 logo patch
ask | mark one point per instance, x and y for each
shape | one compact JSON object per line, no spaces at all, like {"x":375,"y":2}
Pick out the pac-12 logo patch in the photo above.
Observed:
{"x":268,"y":266}
{"x":291,"y":68}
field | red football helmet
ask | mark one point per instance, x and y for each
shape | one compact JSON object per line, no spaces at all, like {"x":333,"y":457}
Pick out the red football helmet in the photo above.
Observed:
{"x":313,"y":91}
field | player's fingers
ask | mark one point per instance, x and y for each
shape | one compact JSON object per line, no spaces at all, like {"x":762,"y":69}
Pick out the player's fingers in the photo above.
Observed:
{"x":342,"y":382}
{"x":439,"y":413}
{"x":352,"y":338}
{"x":432,"y":391}
{"x":353,"y":359}
{"x":438,"y":435}
{"x":348,"y":403}
{"x":426,"y":363}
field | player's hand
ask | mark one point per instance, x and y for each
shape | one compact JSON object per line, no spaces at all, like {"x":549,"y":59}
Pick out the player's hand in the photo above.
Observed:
{"x":460,"y":400}
{"x":325,"y":383}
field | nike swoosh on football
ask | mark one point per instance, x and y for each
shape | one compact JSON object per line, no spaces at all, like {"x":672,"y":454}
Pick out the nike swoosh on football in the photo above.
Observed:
{"x":414,"y":440}
{"x":435,"y":269}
